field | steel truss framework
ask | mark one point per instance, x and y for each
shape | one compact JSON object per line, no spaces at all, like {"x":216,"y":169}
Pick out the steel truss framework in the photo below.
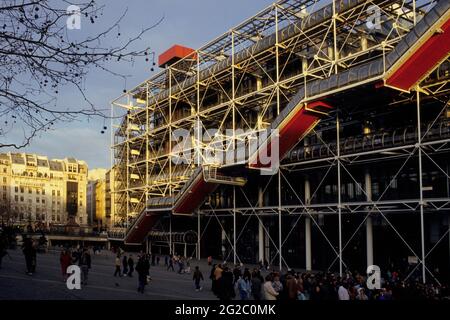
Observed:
{"x":242,"y":80}
{"x":304,"y":208}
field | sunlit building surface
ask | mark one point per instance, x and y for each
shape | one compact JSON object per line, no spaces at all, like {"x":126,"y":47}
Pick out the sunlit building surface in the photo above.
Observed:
{"x":110,"y":211}
{"x":99,"y":194}
{"x":90,"y":200}
{"x":38,"y":191}
{"x":353,"y":98}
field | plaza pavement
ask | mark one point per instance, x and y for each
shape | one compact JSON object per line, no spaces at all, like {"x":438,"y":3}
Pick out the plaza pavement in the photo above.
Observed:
{"x":47,"y":282}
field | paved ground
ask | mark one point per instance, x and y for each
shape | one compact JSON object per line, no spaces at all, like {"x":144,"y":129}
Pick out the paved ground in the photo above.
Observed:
{"x":47,"y":282}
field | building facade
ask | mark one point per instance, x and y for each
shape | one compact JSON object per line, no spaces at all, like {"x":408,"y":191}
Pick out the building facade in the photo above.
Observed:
{"x":100,"y":220}
{"x":91,"y":204}
{"x":356,"y":113}
{"x":100,"y":199}
{"x":110,"y":211}
{"x":35,"y":189}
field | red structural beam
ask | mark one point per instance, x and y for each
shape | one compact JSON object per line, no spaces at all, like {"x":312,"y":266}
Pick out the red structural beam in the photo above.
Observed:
{"x":423,"y":60}
{"x":296,"y":126}
{"x":194,"y":196}
{"x":140,"y":230}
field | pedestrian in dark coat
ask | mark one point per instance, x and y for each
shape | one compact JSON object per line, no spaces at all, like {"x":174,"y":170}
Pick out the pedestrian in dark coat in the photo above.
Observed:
{"x":170,"y":265}
{"x":29,"y":251}
{"x":85,"y":264}
{"x":142,"y":268}
{"x":197,"y":277}
{"x":65,"y":259}
{"x":3,"y":246}
{"x":130,"y":266}
{"x":236,"y":273}
{"x":226,"y":287}
{"x":257,"y":283}
{"x":124,"y":265}
{"x":117,"y":266}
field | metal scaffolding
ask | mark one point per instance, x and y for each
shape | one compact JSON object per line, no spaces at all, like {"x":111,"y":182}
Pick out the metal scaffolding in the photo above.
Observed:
{"x":242,"y":81}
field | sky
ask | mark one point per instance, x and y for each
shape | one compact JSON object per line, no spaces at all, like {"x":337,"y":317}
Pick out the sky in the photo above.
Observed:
{"x":190,"y":23}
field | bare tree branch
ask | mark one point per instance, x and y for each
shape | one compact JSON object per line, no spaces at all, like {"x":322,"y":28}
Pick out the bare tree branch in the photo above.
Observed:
{"x":37,"y":58}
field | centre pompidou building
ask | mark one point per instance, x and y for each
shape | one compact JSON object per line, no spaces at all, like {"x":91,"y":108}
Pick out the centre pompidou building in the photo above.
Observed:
{"x":352,"y":96}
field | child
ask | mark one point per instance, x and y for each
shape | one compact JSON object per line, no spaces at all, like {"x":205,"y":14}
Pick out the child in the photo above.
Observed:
{"x":197,"y":277}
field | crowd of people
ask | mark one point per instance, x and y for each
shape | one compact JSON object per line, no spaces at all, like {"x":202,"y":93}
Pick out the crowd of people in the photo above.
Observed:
{"x":182,"y":264}
{"x":260,"y":283}
{"x":241,"y":283}
{"x":125,"y":266}
{"x":76,"y":256}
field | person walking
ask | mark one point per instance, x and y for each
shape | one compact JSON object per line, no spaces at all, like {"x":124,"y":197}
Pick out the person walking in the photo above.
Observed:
{"x":33,"y":256}
{"x":226,"y":287}
{"x":362,"y":295}
{"x":244,"y":287}
{"x":170,"y":266}
{"x":147,"y":265}
{"x":142,"y":268}
{"x":75,"y":255}
{"x":216,"y":275}
{"x":276,"y":284}
{"x":142,"y":277}
{"x":343,"y":292}
{"x":236,"y":273}
{"x":30,"y":255}
{"x":85,"y":264}
{"x":117,"y":264}
{"x":65,"y":259}
{"x":130,"y":266}
{"x":291,"y":287}
{"x":213,"y":280}
{"x":256,"y":285}
{"x":197,"y":277}
{"x":125,"y":265}
{"x":269,"y":291}
{"x":3,"y":246}
{"x":181,"y":265}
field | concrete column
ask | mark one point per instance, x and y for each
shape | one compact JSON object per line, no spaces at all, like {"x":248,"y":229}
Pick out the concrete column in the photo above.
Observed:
{"x":369,"y":226}
{"x":234,"y":227}
{"x":267,"y":248}
{"x":448,"y":194}
{"x":449,"y":238}
{"x":224,"y":240}
{"x":260,"y":241}
{"x":198,"y":236}
{"x":260,"y":228}
{"x":170,"y":236}
{"x":308,"y":254}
